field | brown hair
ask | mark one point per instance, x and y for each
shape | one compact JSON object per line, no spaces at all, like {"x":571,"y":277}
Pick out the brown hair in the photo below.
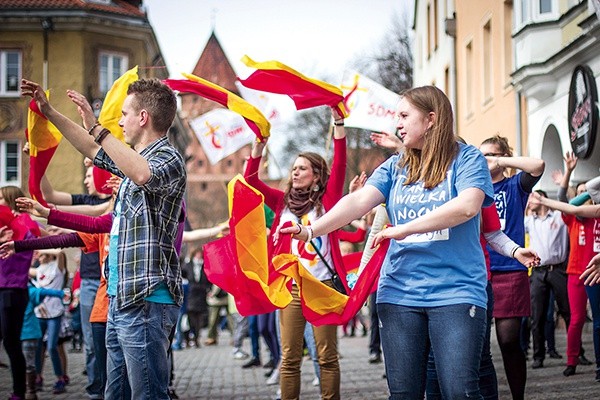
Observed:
{"x":158,"y":99}
{"x":502,"y":144}
{"x":301,"y":202}
{"x":10,"y":194}
{"x":431,"y":163}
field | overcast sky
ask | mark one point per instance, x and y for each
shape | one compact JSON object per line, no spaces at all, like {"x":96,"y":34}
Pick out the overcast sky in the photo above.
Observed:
{"x":315,"y":37}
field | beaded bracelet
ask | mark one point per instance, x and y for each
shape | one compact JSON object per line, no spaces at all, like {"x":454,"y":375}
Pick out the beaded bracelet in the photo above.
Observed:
{"x":309,"y":231}
{"x":93,"y":127}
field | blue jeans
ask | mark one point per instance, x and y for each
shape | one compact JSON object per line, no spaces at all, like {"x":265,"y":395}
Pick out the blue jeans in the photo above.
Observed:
{"x":137,"y":341}
{"x":87,"y":295}
{"x":253,"y":333}
{"x":488,"y":381}
{"x":52,"y":327}
{"x":593,"y":293}
{"x":454,"y":333}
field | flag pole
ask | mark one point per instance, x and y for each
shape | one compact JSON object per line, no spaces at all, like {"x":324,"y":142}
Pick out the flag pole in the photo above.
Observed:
{"x":271,"y":156}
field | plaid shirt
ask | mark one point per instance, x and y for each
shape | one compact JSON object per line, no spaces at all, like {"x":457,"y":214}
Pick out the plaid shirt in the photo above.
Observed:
{"x":148,"y":225}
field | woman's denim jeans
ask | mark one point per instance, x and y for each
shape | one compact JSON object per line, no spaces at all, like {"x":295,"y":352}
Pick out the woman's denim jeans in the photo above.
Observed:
{"x":455,"y":333}
{"x":50,"y":326}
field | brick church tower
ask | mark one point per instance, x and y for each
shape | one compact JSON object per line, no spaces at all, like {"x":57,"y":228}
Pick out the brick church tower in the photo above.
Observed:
{"x":207,"y":183}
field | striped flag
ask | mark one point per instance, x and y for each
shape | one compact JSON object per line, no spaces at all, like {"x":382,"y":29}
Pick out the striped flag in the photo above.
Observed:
{"x":275,"y":77}
{"x":43,"y":138}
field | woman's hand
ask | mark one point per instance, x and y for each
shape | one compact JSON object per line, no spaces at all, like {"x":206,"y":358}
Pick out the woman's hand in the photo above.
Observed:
{"x":7,"y":250}
{"x":395,"y":232}
{"x":570,"y":161}
{"x":6,"y":234}
{"x":527,"y":257}
{"x":536,"y":199}
{"x":25,"y":204}
{"x":591,"y":275}
{"x":83,"y":107}
{"x":297,"y":231}
{"x":258,"y":147}
{"x":357,"y":182}
{"x":386,"y":140}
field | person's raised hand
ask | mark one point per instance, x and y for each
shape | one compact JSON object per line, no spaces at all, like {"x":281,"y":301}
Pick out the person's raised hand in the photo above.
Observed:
{"x":36,"y":92}
{"x":570,"y":160}
{"x":386,"y":140}
{"x":83,"y":107}
{"x":357,"y":182}
{"x":33,"y":207}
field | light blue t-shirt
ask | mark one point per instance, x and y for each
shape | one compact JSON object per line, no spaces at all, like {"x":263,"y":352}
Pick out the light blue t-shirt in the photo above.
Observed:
{"x":440,"y":268}
{"x":160,"y":295}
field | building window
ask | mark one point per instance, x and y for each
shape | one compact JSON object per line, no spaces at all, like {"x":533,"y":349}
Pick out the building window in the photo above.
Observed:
{"x":10,"y":72}
{"x":429,"y":29}
{"x":435,"y":24}
{"x":469,"y":78}
{"x":112,"y":66}
{"x":545,"y":6}
{"x":524,"y":12}
{"x":507,"y":41}
{"x":10,"y":163}
{"x":487,"y":61}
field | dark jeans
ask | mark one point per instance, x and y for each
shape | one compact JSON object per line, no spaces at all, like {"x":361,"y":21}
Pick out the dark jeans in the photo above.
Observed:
{"x":374,"y":339}
{"x":13,"y":302}
{"x":543,"y":280}
{"x":267,"y":328}
{"x":99,"y":339}
{"x":593,"y":293}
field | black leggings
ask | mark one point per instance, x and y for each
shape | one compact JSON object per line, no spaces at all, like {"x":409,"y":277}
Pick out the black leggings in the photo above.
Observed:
{"x":13,"y":302}
{"x":513,"y":357}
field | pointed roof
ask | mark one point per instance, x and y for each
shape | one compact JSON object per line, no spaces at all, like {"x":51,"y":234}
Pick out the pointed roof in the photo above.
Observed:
{"x":214,"y":66}
{"x":123,"y":7}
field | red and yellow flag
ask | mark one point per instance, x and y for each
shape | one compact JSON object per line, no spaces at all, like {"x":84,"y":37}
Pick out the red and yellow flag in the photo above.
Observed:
{"x":43,"y":139}
{"x":239,"y":264}
{"x":110,"y":114}
{"x":275,"y":77}
{"x":253,"y":117}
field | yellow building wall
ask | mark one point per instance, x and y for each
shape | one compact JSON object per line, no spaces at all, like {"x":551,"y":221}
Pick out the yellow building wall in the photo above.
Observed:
{"x":496,"y":114}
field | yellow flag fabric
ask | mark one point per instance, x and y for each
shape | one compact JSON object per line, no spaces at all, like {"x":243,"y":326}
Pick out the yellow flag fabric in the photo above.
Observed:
{"x":113,"y":103}
{"x":43,"y":135}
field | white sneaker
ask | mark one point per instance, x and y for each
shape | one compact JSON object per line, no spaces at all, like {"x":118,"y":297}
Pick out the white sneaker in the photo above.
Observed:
{"x":316,"y":381}
{"x":274,"y":378}
{"x":240,"y":355}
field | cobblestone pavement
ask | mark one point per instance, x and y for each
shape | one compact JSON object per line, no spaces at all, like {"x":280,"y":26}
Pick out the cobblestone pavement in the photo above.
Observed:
{"x":212,"y":373}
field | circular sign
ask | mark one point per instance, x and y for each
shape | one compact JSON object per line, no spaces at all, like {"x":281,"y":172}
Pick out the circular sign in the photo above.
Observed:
{"x":583,"y":113}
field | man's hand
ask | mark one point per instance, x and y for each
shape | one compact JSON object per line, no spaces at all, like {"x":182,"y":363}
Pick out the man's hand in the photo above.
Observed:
{"x":36,"y":92}
{"x":83,"y":107}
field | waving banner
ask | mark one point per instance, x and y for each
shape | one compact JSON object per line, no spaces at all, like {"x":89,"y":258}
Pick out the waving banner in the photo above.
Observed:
{"x":371,"y":105}
{"x":276,"y":77}
{"x":221,"y":132}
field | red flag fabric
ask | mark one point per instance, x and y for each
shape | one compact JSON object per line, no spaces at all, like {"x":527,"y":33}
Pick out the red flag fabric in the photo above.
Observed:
{"x":43,"y":139}
{"x":276,"y":77}
{"x":347,"y":308}
{"x":238,"y":263}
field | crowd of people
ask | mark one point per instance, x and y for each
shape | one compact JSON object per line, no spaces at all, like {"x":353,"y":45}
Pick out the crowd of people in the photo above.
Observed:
{"x":457,"y":218}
